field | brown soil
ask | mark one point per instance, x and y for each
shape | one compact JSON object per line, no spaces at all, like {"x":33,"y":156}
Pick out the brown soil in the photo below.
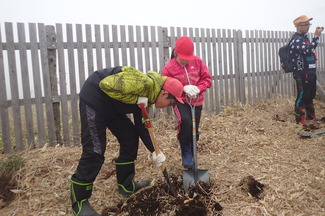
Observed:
{"x":257,"y":163}
{"x":157,"y":200}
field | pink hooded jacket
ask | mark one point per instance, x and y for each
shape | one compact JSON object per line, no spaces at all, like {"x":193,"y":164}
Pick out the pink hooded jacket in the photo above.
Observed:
{"x":198,"y":73}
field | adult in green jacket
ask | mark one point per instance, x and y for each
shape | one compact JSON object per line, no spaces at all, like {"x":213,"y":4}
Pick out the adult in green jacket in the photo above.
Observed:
{"x":106,"y":98}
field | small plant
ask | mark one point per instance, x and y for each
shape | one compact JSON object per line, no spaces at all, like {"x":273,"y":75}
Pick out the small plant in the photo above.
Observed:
{"x":11,"y":164}
{"x":8,"y":167}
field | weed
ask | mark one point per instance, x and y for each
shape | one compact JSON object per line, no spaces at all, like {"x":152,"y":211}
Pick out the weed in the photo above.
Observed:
{"x":11,"y":164}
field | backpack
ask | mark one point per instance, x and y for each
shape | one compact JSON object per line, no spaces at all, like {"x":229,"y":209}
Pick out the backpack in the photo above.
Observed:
{"x":286,"y":58}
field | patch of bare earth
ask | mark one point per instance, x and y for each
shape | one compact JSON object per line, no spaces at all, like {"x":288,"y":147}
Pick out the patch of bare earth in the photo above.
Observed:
{"x":257,"y":163}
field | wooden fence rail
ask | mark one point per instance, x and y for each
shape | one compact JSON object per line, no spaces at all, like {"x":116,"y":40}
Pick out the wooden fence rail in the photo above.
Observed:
{"x":43,"y":67}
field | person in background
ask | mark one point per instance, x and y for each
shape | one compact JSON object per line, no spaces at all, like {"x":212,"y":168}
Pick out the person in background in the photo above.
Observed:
{"x":304,"y":57}
{"x":192,"y":72}
{"x":106,"y":98}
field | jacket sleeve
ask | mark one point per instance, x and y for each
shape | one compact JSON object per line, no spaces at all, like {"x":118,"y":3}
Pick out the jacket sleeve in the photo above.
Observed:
{"x":205,"y":78}
{"x":143,"y":131}
{"x":302,"y":47}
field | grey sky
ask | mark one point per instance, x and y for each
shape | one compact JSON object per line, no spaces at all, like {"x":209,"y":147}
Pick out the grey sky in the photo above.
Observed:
{"x":228,"y":14}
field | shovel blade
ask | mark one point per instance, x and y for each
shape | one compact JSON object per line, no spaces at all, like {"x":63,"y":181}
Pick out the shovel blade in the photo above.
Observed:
{"x":171,"y":185}
{"x":189,"y":178}
{"x":311,"y":134}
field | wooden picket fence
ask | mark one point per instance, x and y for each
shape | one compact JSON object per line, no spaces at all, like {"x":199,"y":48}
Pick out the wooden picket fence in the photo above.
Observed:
{"x":43,"y":67}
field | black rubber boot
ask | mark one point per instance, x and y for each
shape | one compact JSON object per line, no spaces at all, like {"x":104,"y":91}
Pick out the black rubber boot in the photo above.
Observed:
{"x":126,"y":185}
{"x":80,"y":193}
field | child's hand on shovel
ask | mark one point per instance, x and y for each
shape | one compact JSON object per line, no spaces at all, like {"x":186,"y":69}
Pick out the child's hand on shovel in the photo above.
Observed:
{"x":158,"y":159}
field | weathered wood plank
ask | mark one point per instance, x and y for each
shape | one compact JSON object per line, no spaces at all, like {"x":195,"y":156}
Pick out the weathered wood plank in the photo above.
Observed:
{"x":4,"y":114}
{"x":154,"y":55}
{"x":26,"y":86}
{"x":107,"y":47}
{"x":73,"y":88}
{"x":240,"y":87}
{"x":123,"y":46}
{"x":215,"y":86}
{"x":210,"y":100}
{"x":63,"y":86}
{"x":13,"y":75}
{"x":139,"y":48}
{"x":253,"y":59}
{"x":248,"y":67}
{"x":51,"y":50}
{"x":231,"y":73}
{"x":81,"y":58}
{"x":115,"y":46}
{"x":263,"y":62}
{"x":258,"y":67}
{"x":131,"y":46}
{"x":225,"y":69}
{"x":99,"y":56}
{"x":161,"y":51}
{"x":46,"y":85}
{"x":220,"y":71}
{"x":147,"y":56}
{"x":90,"y":55}
{"x":37,"y":85}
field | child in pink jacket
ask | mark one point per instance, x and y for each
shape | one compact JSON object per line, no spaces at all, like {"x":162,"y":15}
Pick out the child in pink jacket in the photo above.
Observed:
{"x":192,"y":72}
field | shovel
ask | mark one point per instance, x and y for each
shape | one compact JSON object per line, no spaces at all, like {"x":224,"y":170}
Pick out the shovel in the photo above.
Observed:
{"x":145,"y":115}
{"x":311,"y":134}
{"x":192,"y":176}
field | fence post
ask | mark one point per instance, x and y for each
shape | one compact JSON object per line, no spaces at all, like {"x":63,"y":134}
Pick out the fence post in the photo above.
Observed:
{"x":239,"y":68}
{"x":164,"y":45}
{"x":167,"y":45}
{"x":51,"y":49}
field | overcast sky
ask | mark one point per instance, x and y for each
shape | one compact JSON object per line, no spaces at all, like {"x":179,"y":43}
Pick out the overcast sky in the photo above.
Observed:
{"x":228,"y":14}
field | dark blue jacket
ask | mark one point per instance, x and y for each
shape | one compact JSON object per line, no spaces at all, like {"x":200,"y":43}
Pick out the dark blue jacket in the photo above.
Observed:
{"x":303,"y":53}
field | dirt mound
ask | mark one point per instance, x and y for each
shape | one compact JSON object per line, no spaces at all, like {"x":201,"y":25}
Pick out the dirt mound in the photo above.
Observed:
{"x":157,"y":200}
{"x":257,"y":163}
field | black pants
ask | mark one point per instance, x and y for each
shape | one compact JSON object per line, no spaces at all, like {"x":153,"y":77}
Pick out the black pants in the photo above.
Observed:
{"x":93,"y":139}
{"x":184,"y":119}
{"x":306,"y":89}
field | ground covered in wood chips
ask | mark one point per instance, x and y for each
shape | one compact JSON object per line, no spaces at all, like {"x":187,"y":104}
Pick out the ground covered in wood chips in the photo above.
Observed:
{"x":257,"y":163}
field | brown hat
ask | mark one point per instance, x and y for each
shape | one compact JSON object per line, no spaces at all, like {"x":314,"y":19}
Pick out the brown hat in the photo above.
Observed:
{"x":301,"y":19}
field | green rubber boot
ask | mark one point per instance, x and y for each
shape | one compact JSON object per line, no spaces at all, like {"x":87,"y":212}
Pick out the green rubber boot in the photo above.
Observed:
{"x":80,"y":193}
{"x":126,"y":185}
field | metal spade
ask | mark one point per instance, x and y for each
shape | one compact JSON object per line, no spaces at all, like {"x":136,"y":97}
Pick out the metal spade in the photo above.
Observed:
{"x":192,"y":176}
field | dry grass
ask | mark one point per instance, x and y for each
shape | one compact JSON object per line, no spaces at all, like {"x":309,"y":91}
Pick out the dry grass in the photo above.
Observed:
{"x":259,"y":140}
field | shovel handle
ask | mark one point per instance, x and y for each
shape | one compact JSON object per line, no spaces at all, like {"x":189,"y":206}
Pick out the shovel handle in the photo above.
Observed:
{"x":157,"y":150}
{"x":149,"y":127}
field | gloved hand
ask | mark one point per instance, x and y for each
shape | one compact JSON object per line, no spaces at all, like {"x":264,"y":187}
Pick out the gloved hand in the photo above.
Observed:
{"x":143,"y":100}
{"x":158,"y":159}
{"x":191,"y":90}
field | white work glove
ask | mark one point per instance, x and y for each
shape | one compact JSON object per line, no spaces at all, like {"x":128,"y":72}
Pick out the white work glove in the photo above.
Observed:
{"x":143,"y":100}
{"x":191,"y":90}
{"x":158,"y":159}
